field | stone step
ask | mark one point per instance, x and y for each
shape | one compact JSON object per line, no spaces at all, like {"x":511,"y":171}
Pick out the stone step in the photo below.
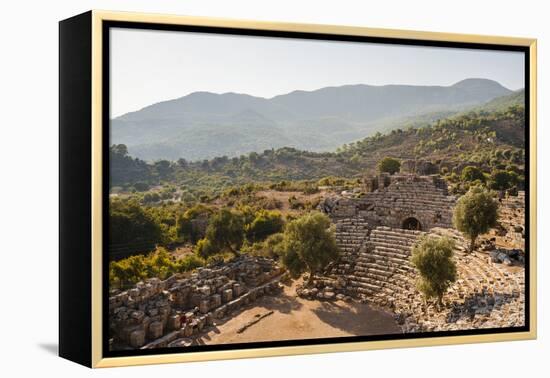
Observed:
{"x":399,"y":238}
{"x":364,"y":285}
{"x":386,"y":260}
{"x":393,"y":238}
{"x":384,"y":266}
{"x":387,"y":247}
{"x":401,"y":258}
{"x":362,"y":269}
{"x":400,"y":231}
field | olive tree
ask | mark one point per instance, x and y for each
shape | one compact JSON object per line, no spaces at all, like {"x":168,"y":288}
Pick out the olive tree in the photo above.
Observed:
{"x":389,"y":165}
{"x":433,"y":258}
{"x":502,"y":180}
{"x":309,"y":245}
{"x":265,"y":223}
{"x":225,"y":232}
{"x":475,"y":213}
{"x":472,"y":173}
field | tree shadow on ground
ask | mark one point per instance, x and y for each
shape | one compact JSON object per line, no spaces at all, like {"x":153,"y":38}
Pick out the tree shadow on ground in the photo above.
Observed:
{"x":278,"y":302}
{"x":357,"y":319}
{"x":476,"y":302}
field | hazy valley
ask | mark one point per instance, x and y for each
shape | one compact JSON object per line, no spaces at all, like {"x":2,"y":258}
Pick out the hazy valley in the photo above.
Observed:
{"x":205,"y":125}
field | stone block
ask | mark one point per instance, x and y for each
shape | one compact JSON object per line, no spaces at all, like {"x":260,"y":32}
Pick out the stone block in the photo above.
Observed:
{"x":137,"y":338}
{"x":329,"y":295}
{"x":219,"y":312}
{"x":179,"y":343}
{"x":201,"y":322}
{"x":204,"y":290}
{"x":204,"y":306}
{"x":227,"y":295}
{"x":215,"y":300}
{"x":174,"y":322}
{"x":187,"y":330}
{"x":237,"y":290}
{"x":189,"y":316}
{"x":155,"y":330}
{"x":138,"y":316}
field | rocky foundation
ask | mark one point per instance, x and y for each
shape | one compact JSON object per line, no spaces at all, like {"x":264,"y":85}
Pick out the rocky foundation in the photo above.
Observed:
{"x":158,"y":314}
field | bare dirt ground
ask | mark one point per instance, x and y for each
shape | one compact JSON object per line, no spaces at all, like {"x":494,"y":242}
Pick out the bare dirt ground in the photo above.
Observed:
{"x":295,"y":318}
{"x":181,"y":251}
{"x":283,"y":197}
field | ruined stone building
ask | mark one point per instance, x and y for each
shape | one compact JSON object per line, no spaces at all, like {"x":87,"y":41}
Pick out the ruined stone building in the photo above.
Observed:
{"x":157,"y":314}
{"x":376,"y":232}
{"x":400,"y":201}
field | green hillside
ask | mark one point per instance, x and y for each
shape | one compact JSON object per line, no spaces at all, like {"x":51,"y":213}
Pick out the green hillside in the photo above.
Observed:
{"x":204,"y":125}
{"x":502,"y":103}
{"x":494,"y":139}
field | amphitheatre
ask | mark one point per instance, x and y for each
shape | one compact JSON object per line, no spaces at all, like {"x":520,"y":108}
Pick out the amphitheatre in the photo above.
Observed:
{"x":370,"y":290}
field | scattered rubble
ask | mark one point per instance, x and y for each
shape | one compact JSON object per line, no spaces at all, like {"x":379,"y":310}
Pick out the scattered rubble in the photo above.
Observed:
{"x":157,"y":314}
{"x":507,"y":256}
{"x":512,"y":220}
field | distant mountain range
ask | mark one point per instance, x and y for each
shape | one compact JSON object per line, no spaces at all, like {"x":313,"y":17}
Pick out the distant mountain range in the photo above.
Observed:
{"x":203,"y":125}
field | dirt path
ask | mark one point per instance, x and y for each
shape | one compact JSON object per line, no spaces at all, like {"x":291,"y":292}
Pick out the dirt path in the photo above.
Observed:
{"x":296,"y":318}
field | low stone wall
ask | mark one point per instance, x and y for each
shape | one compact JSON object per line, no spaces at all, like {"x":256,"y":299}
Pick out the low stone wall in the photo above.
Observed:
{"x":158,"y":313}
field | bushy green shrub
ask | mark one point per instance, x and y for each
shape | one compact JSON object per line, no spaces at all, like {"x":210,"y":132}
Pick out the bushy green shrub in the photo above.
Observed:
{"x":158,"y":263}
{"x":309,"y":245}
{"x":132,"y":227}
{"x":225,"y":233}
{"x":472,"y":173}
{"x":389,"y":165}
{"x":475,"y":213}
{"x":265,"y":223}
{"x":502,"y":180}
{"x":433,"y":258}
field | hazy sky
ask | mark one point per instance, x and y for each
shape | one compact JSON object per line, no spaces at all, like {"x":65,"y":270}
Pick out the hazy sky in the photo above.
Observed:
{"x":153,"y":66}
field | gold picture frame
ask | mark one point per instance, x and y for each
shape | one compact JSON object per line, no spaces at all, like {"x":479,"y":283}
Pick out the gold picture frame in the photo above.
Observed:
{"x":92,"y":23}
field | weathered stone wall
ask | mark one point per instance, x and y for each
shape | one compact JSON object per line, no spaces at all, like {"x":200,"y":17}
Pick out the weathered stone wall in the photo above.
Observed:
{"x":159,"y":313}
{"x":419,"y":167}
{"x":396,"y":198}
{"x":351,"y":235}
{"x":512,"y":218}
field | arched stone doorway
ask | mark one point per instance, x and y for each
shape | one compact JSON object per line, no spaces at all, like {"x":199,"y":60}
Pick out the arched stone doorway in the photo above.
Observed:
{"x":412,"y":223}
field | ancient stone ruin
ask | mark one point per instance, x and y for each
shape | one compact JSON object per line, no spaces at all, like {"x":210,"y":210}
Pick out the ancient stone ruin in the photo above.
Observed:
{"x":512,"y":219}
{"x":376,"y":230}
{"x":156,"y":313}
{"x":399,"y":201}
{"x":376,"y":233}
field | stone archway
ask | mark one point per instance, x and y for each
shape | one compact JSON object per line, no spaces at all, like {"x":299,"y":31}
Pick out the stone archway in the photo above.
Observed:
{"x":411,"y":223}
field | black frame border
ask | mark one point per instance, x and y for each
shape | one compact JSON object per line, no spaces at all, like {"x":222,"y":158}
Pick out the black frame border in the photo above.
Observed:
{"x":105,"y":80}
